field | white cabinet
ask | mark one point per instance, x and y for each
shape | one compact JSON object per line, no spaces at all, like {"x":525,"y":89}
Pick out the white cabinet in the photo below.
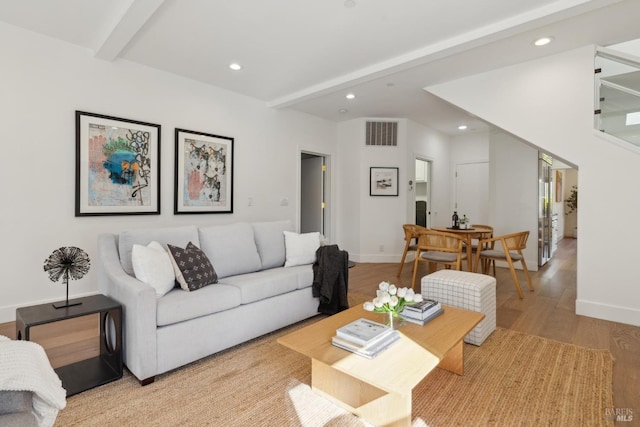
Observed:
{"x":421,"y":171}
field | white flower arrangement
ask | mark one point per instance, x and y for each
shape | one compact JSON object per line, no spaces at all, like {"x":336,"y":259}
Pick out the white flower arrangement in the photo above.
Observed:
{"x":391,"y":299}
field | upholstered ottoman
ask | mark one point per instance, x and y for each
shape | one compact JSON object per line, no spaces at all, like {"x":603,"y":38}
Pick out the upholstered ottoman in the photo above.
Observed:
{"x":471,"y":291}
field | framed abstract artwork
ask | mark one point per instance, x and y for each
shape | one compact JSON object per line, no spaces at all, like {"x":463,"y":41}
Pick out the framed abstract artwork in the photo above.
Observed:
{"x":383,"y":181}
{"x":204,"y":173}
{"x":117,"y":166}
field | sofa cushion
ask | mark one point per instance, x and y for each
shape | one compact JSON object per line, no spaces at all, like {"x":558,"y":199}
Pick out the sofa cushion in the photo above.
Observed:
{"x":178,"y":305}
{"x":15,"y":401}
{"x":300,"y":249}
{"x":269,"y":239}
{"x":192,"y":268}
{"x":152,"y":265}
{"x":178,"y":236}
{"x":304,"y":274}
{"x":231,"y":248}
{"x":269,"y":283}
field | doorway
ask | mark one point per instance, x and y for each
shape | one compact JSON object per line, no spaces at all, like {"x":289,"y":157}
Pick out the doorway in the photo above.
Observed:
{"x":423,"y":193}
{"x":313,"y":193}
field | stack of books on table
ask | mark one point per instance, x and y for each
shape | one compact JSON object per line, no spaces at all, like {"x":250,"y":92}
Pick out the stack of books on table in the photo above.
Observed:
{"x":422,"y":312}
{"x":365,"y":337}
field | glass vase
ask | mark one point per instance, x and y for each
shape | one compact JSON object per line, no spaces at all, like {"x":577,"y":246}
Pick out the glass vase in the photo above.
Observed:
{"x":394,"y":322}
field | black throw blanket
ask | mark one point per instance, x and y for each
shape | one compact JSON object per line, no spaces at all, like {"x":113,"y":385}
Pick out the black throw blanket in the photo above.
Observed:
{"x":331,"y":279}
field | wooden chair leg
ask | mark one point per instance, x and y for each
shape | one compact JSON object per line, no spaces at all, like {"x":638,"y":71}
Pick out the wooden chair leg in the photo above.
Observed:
{"x":404,"y":256}
{"x":486,"y":265}
{"x":482,"y":262}
{"x":516,"y":281}
{"x":415,"y":270}
{"x":432,"y":267}
{"x":476,"y":262}
{"x":526,"y":273}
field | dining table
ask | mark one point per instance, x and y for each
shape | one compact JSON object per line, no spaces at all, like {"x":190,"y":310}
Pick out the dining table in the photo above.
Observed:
{"x":467,"y":235}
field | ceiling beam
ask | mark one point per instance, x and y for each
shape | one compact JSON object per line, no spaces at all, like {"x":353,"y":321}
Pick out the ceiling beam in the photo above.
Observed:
{"x":539,"y":17}
{"x":126,"y":28}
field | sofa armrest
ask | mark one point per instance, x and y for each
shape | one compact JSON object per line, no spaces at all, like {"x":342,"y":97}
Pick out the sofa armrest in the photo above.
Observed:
{"x":138,"y":302}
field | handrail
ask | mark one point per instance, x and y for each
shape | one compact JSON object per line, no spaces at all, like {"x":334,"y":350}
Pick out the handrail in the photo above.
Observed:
{"x":621,"y":88}
{"x":615,"y":55}
{"x":617,"y":95}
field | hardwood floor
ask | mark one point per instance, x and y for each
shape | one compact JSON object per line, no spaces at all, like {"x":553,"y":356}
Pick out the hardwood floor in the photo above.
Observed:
{"x":548,"y":312}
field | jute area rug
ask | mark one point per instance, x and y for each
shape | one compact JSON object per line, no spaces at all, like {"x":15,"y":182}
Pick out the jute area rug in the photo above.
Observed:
{"x":513,"y":379}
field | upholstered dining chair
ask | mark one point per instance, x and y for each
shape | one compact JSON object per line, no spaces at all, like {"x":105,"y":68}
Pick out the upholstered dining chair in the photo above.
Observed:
{"x":437,"y":247}
{"x":410,"y":234}
{"x":505,"y":248}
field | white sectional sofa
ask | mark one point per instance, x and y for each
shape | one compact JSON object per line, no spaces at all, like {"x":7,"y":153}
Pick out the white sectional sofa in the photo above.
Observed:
{"x":255,"y":294}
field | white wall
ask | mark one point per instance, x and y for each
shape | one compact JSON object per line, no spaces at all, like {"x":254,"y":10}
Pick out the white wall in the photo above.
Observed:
{"x":352,"y":182}
{"x":470,"y":148}
{"x":513,"y":178}
{"x":372,"y":224}
{"x":368,"y":223}
{"x":428,"y":144}
{"x":549,"y":103}
{"x":44,"y":81}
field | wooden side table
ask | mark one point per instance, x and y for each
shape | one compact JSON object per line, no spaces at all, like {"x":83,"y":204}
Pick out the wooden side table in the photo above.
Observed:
{"x":85,"y":374}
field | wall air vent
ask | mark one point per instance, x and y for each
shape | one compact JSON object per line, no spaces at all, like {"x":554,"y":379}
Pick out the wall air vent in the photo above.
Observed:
{"x":382,"y":134}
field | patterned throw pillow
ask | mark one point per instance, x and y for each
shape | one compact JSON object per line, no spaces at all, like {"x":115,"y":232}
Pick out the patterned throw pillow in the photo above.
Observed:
{"x":192,"y":267}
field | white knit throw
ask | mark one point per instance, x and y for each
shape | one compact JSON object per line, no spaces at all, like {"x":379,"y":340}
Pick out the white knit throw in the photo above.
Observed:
{"x":24,"y":366}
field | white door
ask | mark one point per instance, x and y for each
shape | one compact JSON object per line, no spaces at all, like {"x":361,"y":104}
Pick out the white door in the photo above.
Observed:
{"x":472,"y":191}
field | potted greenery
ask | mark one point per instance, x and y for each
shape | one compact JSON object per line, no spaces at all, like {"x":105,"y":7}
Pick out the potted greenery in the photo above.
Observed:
{"x":572,"y":204}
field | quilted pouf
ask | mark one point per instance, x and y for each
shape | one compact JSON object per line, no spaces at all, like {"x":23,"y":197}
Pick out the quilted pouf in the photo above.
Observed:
{"x":462,"y":289}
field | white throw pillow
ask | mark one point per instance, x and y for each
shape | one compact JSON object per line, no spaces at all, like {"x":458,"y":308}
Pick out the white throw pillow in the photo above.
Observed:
{"x":152,"y":265}
{"x":300,"y":249}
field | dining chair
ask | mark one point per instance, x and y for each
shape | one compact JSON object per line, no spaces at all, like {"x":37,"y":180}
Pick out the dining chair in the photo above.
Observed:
{"x":437,"y":247}
{"x":485,"y":235}
{"x":410,"y":233}
{"x":505,"y":248}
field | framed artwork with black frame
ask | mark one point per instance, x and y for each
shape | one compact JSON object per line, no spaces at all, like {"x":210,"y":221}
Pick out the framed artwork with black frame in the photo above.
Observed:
{"x":117,"y":166}
{"x":383,"y":181}
{"x":203,"y":173}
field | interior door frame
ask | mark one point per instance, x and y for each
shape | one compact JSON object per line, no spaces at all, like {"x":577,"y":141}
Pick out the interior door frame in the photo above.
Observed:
{"x":327,"y":190}
{"x":429,"y":188}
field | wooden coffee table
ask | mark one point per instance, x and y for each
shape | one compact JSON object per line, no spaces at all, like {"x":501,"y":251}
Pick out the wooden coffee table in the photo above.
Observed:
{"x":379,"y":390}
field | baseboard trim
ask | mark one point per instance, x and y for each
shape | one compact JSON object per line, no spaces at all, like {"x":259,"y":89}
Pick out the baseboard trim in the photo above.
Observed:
{"x":608,"y":312}
{"x":373,"y":258}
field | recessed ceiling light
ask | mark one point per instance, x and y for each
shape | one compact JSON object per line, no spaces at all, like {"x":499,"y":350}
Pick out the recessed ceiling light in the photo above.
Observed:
{"x":343,"y":110}
{"x":543,"y":41}
{"x":462,"y":127}
{"x":235,"y":66}
{"x":350,"y":96}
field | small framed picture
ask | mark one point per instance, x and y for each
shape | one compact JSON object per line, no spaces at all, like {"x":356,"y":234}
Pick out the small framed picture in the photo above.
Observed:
{"x":384,"y":181}
{"x":117,"y":166}
{"x":204,"y":173}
